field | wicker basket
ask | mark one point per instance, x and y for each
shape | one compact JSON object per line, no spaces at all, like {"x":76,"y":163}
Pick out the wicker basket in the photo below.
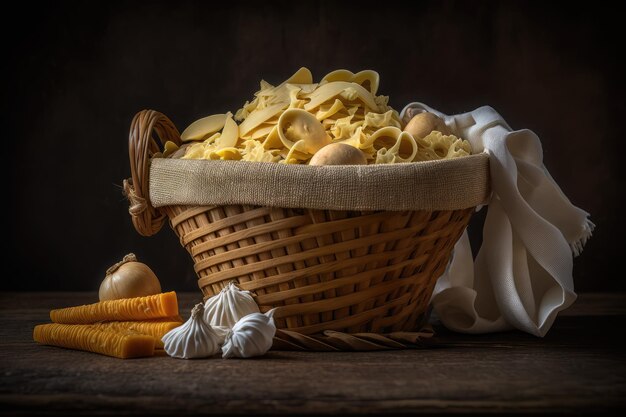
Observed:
{"x":348,"y":271}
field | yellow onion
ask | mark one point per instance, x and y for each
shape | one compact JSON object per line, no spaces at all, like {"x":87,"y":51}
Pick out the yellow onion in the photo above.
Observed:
{"x":127,"y":279}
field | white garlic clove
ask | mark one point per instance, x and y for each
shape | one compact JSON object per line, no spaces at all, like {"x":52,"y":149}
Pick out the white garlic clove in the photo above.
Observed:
{"x":194,"y":339}
{"x":229,"y":306}
{"x":296,"y":124}
{"x":221,"y":332}
{"x":252,"y":336}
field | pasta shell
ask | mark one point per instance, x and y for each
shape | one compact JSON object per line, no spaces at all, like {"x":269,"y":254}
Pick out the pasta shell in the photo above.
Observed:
{"x":297,"y":125}
{"x":204,"y":127}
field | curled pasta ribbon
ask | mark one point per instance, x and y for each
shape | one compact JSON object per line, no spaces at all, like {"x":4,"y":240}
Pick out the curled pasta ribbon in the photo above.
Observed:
{"x":347,"y":90}
{"x":326,"y":112}
{"x":367,"y":78}
{"x":297,"y":153}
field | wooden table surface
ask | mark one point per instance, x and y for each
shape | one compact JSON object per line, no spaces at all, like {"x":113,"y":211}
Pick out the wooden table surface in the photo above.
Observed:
{"x":578,"y":367}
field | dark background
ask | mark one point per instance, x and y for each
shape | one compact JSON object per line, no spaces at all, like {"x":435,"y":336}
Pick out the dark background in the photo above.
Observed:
{"x":78,"y":72}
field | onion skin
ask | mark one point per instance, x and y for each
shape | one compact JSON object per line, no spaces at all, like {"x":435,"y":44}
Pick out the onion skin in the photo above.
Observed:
{"x":128,"y":279}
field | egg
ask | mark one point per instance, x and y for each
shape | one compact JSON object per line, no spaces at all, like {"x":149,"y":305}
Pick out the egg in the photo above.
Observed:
{"x":424,"y":123}
{"x":338,"y":154}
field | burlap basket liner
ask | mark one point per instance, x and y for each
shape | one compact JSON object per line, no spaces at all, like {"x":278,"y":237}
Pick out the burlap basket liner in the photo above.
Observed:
{"x":434,"y":185}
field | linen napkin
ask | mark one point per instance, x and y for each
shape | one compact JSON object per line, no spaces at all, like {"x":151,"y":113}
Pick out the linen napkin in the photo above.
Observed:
{"x":522,"y":275}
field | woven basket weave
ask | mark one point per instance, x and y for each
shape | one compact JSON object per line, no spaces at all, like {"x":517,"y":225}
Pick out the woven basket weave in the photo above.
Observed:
{"x":347,"y":271}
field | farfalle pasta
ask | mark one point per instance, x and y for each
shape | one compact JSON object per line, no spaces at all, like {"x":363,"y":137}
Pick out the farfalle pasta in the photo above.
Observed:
{"x":291,"y":122}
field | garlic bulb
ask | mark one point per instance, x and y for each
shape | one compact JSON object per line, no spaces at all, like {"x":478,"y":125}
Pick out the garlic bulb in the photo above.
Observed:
{"x":127,"y":279}
{"x":251,"y":336}
{"x":221,"y":332}
{"x":230,"y":305}
{"x":194,"y":339}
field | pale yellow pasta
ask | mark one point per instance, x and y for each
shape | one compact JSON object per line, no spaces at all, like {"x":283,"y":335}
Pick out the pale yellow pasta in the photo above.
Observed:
{"x":325,"y":112}
{"x":346,"y":90}
{"x":273,"y":141}
{"x":168,"y":149}
{"x":195,"y":151}
{"x":230,"y":134}
{"x":439,"y":146}
{"x":344,"y":128}
{"x":367,"y":78}
{"x":260,"y":132}
{"x":296,"y":154}
{"x":204,"y":127}
{"x":254,"y":151}
{"x":343,"y":107}
{"x":302,"y":76}
{"x":379,"y":120}
{"x":224,"y":154}
{"x":257,"y":117}
{"x":393,"y":146}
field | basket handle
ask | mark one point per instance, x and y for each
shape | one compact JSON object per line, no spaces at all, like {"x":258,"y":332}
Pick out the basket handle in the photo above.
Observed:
{"x":141,"y":148}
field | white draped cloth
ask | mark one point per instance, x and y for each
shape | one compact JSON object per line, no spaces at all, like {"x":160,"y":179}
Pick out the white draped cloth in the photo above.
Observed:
{"x":522,"y":275}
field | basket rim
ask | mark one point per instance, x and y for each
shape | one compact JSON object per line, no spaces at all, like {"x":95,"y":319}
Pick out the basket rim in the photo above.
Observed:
{"x":448,"y":184}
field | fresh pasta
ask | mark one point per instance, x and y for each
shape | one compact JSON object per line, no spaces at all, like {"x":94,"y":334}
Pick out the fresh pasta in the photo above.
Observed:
{"x":290,"y":122}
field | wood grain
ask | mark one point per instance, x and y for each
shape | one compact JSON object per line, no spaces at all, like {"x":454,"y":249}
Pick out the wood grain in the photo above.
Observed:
{"x":578,"y":367}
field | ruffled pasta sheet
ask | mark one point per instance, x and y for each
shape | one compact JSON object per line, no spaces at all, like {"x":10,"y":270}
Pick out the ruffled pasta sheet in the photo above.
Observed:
{"x":343,"y":102}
